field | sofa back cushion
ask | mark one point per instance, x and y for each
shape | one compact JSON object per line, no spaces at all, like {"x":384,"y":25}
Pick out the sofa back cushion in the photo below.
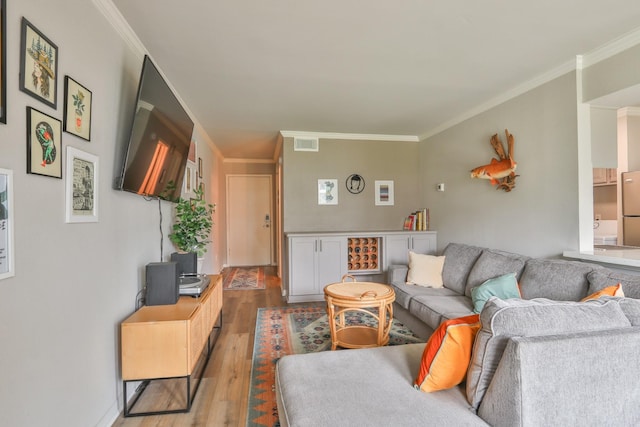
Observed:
{"x":502,"y":319}
{"x":602,"y":278}
{"x":492,"y":264}
{"x":555,"y":279}
{"x":459,"y":259}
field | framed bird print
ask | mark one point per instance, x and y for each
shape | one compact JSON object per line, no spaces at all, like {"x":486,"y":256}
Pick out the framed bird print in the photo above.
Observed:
{"x":44,"y":144}
{"x":38,"y":65}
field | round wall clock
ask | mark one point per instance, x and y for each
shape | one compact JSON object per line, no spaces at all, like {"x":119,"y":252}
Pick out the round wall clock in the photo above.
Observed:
{"x":355,"y":183}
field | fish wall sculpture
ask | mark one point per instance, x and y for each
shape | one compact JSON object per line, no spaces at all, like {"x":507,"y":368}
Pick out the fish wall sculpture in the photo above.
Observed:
{"x":500,"y":172}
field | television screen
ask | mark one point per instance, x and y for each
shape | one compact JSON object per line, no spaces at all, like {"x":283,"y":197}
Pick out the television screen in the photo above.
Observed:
{"x":159,"y":140}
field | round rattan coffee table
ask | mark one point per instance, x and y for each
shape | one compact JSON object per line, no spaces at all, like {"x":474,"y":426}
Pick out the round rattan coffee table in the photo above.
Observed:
{"x":372,"y":299}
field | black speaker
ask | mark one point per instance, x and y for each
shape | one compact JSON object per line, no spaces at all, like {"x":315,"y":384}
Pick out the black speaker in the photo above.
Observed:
{"x":187,"y":263}
{"x":162,"y":283}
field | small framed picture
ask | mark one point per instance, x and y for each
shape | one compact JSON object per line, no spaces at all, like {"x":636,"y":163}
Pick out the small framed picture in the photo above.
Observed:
{"x":38,"y":65}
{"x":327,"y":191}
{"x":81,"y":186}
{"x":200,"y":167}
{"x":384,"y":193}
{"x":77,"y":109}
{"x":44,"y":144}
{"x":7,"y":264}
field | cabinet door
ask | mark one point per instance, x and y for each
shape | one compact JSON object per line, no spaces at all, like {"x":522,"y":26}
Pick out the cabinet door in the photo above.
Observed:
{"x":302,"y":266}
{"x":396,"y":249}
{"x":332,"y":261}
{"x":423,"y":243}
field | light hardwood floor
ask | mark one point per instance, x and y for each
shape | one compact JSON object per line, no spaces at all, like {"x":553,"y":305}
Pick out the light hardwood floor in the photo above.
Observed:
{"x":224,"y":391}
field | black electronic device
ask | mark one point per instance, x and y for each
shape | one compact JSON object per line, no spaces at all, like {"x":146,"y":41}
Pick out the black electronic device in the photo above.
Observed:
{"x":162,"y":283}
{"x":159,"y":140}
{"x":187,"y":263}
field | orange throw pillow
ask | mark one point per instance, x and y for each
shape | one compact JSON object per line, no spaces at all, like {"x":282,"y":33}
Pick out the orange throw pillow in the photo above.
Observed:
{"x":447,"y":354}
{"x":610,"y":291}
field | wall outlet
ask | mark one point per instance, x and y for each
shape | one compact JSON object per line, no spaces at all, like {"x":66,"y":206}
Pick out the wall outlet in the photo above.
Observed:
{"x":598,"y":217}
{"x":440,"y":187}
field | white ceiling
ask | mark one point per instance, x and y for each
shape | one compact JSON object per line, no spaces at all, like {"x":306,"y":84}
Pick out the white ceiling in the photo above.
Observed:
{"x":248,"y":69}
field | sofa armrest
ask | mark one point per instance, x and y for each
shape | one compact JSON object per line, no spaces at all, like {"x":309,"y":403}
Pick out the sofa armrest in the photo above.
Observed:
{"x":397,"y":273}
{"x":585,"y":378}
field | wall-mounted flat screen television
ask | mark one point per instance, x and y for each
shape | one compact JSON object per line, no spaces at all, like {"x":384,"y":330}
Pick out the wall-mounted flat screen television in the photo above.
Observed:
{"x":158,"y":146}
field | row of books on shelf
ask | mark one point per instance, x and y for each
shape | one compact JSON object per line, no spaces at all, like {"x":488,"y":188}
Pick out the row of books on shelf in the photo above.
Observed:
{"x":417,"y":221}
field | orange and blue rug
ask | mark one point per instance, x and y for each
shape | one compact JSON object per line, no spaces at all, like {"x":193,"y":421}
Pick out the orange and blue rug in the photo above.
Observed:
{"x":235,"y":278}
{"x":294,"y":330}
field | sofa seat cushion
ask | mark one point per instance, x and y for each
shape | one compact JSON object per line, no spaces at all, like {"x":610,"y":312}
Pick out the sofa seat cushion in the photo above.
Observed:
{"x":555,"y":279}
{"x":404,"y":292}
{"x":493,"y":264}
{"x":366,"y":387}
{"x":602,"y":278}
{"x":459,"y":259}
{"x":502,"y":319}
{"x":433,"y":310}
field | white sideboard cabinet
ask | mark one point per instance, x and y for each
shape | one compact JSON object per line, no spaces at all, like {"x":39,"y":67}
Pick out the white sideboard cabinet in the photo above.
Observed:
{"x":398,"y":245}
{"x":314,"y":262}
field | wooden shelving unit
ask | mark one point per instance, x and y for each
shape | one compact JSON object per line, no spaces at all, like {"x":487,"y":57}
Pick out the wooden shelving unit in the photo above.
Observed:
{"x":163,"y":342}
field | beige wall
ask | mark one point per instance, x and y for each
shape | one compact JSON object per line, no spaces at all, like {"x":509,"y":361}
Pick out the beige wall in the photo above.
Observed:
{"x":338,"y":159}
{"x":537,"y":218}
{"x":613,"y":74}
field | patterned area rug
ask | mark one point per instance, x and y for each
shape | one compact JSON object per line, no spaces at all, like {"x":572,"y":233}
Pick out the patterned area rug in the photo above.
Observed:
{"x":243,"y":278}
{"x":293,"y":330}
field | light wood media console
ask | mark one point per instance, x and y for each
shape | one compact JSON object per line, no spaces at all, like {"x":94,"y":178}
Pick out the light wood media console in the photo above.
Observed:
{"x":169,"y":342}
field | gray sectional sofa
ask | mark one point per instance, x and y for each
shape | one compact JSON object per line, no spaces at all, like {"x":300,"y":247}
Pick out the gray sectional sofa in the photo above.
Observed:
{"x":546,"y":359}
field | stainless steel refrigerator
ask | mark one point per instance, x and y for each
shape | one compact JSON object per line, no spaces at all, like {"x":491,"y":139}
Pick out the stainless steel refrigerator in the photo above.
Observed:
{"x":631,"y":208}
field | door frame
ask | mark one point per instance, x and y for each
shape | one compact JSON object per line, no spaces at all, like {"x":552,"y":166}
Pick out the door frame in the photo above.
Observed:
{"x":228,"y":212}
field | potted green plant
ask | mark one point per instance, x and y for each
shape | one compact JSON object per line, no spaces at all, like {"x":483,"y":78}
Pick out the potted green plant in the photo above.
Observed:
{"x":194,"y":219}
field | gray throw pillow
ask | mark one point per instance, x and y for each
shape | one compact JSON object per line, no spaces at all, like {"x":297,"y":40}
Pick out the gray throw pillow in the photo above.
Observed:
{"x":493,"y":264}
{"x":599,"y":279}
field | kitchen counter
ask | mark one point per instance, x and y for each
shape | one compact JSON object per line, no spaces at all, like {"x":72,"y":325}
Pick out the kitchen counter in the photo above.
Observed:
{"x":613,"y":257}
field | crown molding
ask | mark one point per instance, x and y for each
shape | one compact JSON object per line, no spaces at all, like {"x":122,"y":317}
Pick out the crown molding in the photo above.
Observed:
{"x":354,"y":136}
{"x":612,"y":48}
{"x":262,"y":161}
{"x":506,"y":96}
{"x":629,"y":111}
{"x":117,"y":21}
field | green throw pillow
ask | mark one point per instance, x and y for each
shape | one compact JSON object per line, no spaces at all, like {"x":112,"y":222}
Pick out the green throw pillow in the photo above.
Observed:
{"x":503,"y":287}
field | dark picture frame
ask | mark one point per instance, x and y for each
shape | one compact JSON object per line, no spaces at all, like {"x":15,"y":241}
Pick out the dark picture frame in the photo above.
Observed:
{"x":3,"y":61}
{"x":77,"y":109}
{"x":44,"y":144}
{"x":38,"y":65}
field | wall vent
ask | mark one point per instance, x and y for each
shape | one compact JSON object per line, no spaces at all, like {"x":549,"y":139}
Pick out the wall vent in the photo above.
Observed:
{"x":305,"y":143}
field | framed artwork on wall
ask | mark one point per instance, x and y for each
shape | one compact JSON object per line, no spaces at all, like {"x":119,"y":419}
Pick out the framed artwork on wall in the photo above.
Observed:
{"x":77,"y":109}
{"x":81,"y":186}
{"x":44,"y":144}
{"x":38,"y":65}
{"x":7,"y":264}
{"x":384,"y":193}
{"x":327,"y":191}
{"x":3,"y":61}
{"x":193,"y":152}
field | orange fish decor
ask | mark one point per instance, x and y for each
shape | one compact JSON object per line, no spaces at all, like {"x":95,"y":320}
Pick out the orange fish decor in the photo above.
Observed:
{"x":499,"y":172}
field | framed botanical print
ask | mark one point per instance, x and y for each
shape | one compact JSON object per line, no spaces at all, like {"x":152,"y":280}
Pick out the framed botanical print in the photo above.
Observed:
{"x":81,"y":186}
{"x":3,"y":61}
{"x":6,"y":224}
{"x":327,"y":191}
{"x":44,"y":144}
{"x":77,"y":109}
{"x":38,"y":65}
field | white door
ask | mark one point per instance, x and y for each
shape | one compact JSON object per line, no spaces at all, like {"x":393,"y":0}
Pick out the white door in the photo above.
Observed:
{"x":249,"y":236}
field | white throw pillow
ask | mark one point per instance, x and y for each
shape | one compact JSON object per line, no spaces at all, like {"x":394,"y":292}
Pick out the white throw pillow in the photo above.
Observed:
{"x":425,"y":270}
